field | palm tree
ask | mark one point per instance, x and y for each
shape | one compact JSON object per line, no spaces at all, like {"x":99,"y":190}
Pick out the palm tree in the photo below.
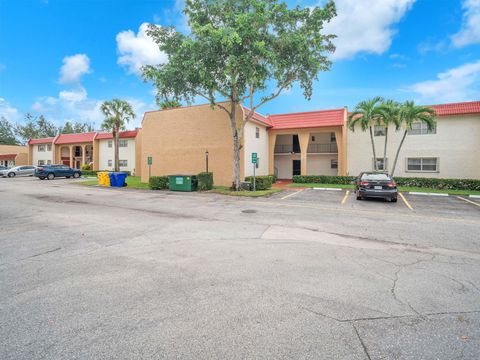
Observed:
{"x":366,"y":114}
{"x":117,"y":113}
{"x":410,"y":113}
{"x":389,"y":115}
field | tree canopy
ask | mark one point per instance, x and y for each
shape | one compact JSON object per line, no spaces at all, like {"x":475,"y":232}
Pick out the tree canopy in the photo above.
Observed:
{"x":7,"y":133}
{"x":35,"y":127}
{"x":75,"y":128}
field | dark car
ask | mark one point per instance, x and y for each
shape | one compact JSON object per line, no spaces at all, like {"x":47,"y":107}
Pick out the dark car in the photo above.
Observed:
{"x":375,"y":185}
{"x":50,"y":172}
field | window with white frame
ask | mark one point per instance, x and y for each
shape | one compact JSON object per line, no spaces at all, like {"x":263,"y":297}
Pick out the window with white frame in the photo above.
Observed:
{"x":334,"y":164}
{"x":380,"y":165}
{"x":110,"y":143}
{"x":122,"y":143}
{"x":421,"y":128}
{"x":41,"y":148}
{"x":49,"y":162}
{"x":123,"y":163}
{"x":49,"y":147}
{"x":429,"y":164}
{"x":41,"y":162}
{"x":110,"y":162}
{"x":379,"y":130}
{"x":257,"y":133}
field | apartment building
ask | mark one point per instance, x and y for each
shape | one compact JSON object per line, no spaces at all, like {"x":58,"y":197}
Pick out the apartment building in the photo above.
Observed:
{"x":91,"y":148}
{"x":13,"y":155}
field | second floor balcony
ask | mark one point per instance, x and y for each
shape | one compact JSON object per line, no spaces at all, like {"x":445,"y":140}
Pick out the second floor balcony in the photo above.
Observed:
{"x":330,"y":148}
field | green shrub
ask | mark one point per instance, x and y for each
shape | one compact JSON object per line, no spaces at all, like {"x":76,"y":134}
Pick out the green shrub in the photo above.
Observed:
{"x":205,"y":181}
{"x":85,"y":167}
{"x":274,"y":178}
{"x":261,"y":182}
{"x":158,"y":182}
{"x":431,"y":183}
{"x":89,"y":172}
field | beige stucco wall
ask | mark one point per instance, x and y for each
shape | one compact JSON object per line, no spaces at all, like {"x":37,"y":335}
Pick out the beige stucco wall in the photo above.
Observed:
{"x":13,"y":149}
{"x":177,"y":139}
{"x":124,"y":153}
{"x":21,"y":159}
{"x":456,"y":144}
{"x":259,"y":146}
{"x":42,"y":155}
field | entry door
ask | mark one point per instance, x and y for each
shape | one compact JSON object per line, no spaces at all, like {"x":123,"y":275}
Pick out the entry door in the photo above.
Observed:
{"x":297,"y":167}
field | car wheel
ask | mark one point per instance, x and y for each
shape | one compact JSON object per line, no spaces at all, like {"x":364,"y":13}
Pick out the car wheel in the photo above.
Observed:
{"x":394,"y":200}
{"x":68,"y":177}
{"x":76,"y":175}
{"x":41,"y":178}
{"x":12,"y":174}
{"x":358,"y":196}
{"x":51,"y":176}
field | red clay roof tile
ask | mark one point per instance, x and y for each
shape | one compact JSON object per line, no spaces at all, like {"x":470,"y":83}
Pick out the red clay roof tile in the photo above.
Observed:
{"x":462,"y":108}
{"x":123,"y":134}
{"x":310,"y":119}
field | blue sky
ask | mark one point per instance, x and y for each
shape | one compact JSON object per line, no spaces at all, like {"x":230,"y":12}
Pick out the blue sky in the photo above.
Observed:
{"x":62,"y":58}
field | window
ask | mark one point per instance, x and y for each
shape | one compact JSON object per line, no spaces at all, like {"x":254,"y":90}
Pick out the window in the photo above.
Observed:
{"x":375,"y":177}
{"x":313,"y":138}
{"x":420,"y":128}
{"x":49,"y":147}
{"x":380,"y":165}
{"x":333,"y":138}
{"x":334,"y":164}
{"x":49,"y":162}
{"x":123,"y":163}
{"x":122,"y":143}
{"x":41,"y":162}
{"x":379,"y":130}
{"x":110,"y":143}
{"x":257,"y":133}
{"x":422,"y":164}
{"x":109,"y":162}
{"x":41,"y":148}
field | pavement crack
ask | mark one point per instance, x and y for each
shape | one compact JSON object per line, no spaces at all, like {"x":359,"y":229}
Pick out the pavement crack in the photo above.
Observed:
{"x":42,"y":253}
{"x":365,"y":350}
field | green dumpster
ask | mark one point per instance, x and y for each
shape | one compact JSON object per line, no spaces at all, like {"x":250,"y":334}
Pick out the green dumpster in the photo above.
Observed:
{"x":182,"y":182}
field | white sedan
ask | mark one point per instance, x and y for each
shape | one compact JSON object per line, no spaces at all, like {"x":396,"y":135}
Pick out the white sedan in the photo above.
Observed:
{"x":27,"y":170}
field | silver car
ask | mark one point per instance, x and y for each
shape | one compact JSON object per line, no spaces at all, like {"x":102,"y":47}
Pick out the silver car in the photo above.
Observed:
{"x":27,"y":170}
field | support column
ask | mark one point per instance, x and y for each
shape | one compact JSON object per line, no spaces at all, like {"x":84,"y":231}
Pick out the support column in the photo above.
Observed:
{"x":341,"y":171}
{"x":84,"y":149}
{"x":303,"y":139}
{"x":272,"y":138}
{"x":71,"y":155}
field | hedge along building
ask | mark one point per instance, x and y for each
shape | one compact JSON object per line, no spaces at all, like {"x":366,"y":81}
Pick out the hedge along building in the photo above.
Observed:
{"x":451,"y":150}
{"x":13,"y":155}
{"x":92,"y":148}
{"x":178,"y":139}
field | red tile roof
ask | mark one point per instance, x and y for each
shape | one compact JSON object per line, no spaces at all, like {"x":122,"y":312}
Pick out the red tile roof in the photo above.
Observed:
{"x":258,"y":117}
{"x":472,"y":107}
{"x":310,"y":119}
{"x":75,"y":138}
{"x":123,"y":134}
{"x":41,"y":141}
{"x":10,"y":157}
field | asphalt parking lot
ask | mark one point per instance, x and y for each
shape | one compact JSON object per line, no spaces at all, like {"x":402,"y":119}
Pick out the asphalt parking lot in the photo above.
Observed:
{"x":91,"y":273}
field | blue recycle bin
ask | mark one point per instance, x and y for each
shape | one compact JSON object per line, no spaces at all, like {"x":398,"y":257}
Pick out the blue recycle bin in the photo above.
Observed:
{"x":113,"y":180}
{"x":119,"y":179}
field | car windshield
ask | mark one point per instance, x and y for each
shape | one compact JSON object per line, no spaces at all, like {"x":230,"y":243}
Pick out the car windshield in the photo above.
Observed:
{"x":375,"y":177}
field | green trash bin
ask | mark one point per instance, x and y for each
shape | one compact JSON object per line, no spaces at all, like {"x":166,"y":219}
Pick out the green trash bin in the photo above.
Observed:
{"x":182,"y":182}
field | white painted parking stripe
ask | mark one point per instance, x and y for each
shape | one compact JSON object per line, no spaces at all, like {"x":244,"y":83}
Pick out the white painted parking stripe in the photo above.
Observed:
{"x":474,"y":196}
{"x":327,"y":189}
{"x":345,"y":197}
{"x":469,"y":201}
{"x":426,"y":194}
{"x":292,"y":194}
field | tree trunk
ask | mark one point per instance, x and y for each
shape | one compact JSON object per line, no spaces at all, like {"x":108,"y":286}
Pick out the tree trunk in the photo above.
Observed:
{"x":115,"y":145}
{"x":375,"y":167}
{"x":398,"y":152}
{"x":236,"y":147}
{"x":385,"y":150}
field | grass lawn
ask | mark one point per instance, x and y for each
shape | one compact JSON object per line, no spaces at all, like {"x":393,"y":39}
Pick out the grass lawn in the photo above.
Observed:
{"x":133,"y":182}
{"x":226,"y":191}
{"x":400,"y":188}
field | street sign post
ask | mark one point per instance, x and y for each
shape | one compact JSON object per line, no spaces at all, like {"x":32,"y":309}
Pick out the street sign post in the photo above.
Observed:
{"x":149,"y":163}
{"x":254,"y":162}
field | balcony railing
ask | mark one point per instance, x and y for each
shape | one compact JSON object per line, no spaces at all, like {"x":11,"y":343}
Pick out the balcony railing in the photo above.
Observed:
{"x":312,"y":149}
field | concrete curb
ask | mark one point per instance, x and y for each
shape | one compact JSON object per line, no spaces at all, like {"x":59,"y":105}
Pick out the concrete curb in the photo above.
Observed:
{"x":426,"y":194}
{"x":327,"y":189}
{"x":474,"y":196}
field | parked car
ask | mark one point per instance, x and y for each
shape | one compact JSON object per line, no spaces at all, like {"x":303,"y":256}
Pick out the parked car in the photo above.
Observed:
{"x":27,"y":170}
{"x":3,"y":167}
{"x":50,"y":172}
{"x":375,"y":185}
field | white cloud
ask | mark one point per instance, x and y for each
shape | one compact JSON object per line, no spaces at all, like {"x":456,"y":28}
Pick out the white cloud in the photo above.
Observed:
{"x":73,"y":68}
{"x":8,"y":112}
{"x":365,"y":26}
{"x":137,"y":50}
{"x":458,"y":84}
{"x":470,"y":31}
{"x":75,"y":95}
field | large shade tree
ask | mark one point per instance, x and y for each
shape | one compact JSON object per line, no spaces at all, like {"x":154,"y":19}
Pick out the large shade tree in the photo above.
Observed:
{"x":35,"y":127}
{"x":246,"y":51}
{"x":7,"y":133}
{"x":117,"y":114}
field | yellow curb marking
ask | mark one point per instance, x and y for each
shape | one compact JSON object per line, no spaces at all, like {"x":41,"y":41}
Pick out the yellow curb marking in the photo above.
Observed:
{"x":469,"y":201}
{"x":405,"y":201}
{"x":345,"y":197}
{"x":295,"y":193}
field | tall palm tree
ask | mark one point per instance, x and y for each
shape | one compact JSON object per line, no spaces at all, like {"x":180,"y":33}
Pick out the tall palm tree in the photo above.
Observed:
{"x":389,"y":115}
{"x":117,"y":113}
{"x":366,"y":114}
{"x":410,"y":113}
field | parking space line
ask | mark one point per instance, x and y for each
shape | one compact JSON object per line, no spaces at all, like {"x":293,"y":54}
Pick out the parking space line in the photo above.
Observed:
{"x":292,"y":194}
{"x":345,"y":197}
{"x":469,"y":201}
{"x":405,"y":201}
